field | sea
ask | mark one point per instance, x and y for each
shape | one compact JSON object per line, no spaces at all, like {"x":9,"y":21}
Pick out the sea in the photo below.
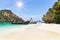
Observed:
{"x":9,"y":25}
{"x":6,"y":27}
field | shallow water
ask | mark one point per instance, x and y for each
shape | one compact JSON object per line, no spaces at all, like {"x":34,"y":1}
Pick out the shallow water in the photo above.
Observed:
{"x":5,"y":25}
{"x":7,"y":28}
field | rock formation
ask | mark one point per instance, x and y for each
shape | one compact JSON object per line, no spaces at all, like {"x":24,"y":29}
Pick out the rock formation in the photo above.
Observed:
{"x":9,"y":16}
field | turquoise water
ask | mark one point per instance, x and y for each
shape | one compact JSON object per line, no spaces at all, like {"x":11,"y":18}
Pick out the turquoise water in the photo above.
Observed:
{"x":6,"y":24}
{"x":9,"y":25}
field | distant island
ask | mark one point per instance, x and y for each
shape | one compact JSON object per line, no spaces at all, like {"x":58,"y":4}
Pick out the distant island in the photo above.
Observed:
{"x":53,"y":14}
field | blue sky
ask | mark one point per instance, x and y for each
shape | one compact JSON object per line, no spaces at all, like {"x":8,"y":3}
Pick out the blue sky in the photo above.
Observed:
{"x":28,"y":8}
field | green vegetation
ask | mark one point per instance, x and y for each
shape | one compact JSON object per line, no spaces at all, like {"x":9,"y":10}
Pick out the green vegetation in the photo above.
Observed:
{"x":9,"y":16}
{"x":53,"y":14}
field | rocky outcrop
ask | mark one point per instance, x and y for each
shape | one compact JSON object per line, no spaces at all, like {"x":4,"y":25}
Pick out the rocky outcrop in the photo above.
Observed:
{"x":9,"y":16}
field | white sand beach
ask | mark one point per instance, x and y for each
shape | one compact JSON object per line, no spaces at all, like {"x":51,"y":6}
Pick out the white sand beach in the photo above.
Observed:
{"x":40,"y":31}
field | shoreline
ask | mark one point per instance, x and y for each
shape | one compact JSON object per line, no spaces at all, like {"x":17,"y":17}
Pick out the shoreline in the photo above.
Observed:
{"x":40,"y":31}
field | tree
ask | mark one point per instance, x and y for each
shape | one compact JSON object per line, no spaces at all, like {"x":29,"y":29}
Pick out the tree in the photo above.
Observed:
{"x":53,"y":14}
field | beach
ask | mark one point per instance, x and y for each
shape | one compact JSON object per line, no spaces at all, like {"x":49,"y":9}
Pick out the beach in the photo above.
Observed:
{"x":40,"y":31}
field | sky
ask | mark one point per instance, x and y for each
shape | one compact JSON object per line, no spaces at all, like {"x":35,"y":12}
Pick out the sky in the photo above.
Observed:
{"x":26,"y":9}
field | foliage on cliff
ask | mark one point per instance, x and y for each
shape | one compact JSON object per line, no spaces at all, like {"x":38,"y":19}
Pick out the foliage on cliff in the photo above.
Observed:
{"x":9,"y":16}
{"x":53,"y":14}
